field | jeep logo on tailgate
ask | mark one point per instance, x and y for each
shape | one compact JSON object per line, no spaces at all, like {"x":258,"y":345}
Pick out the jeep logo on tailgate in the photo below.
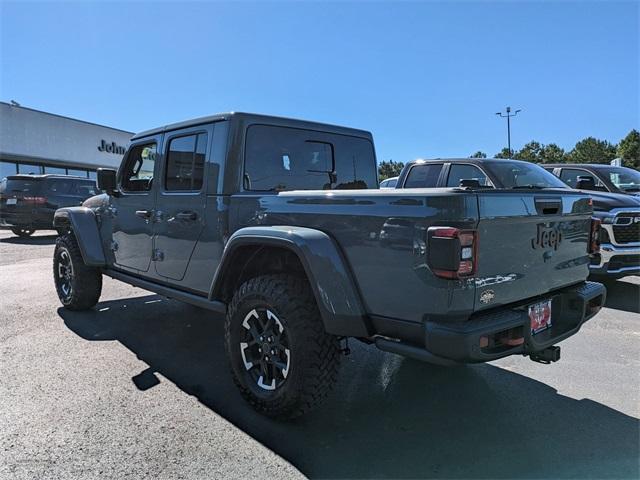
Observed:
{"x":547,"y":237}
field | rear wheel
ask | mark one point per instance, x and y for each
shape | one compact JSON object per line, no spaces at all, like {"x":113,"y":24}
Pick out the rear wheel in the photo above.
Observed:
{"x":23,"y":232}
{"x":282,"y":360}
{"x":78,"y":285}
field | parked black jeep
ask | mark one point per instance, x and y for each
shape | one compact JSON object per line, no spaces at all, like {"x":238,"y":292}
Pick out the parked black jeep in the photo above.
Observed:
{"x":28,"y":202}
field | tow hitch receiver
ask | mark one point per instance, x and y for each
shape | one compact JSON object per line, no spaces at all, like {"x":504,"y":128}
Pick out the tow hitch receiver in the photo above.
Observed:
{"x":546,"y":356}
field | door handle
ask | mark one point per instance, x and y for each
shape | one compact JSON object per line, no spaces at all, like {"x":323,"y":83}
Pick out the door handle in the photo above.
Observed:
{"x":146,"y":214}
{"x":187,"y":216}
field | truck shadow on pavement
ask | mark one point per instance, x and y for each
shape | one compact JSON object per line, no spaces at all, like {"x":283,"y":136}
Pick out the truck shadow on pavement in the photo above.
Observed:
{"x":388,"y":416}
{"x":37,"y":240}
{"x":623,"y":295}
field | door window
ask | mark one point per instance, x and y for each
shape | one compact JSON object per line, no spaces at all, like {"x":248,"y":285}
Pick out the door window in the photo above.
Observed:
{"x":84,"y":189}
{"x":570,"y":176}
{"x":137,"y":174}
{"x":423,"y":176}
{"x":59,"y":186}
{"x":185,"y":163}
{"x":459,"y":172}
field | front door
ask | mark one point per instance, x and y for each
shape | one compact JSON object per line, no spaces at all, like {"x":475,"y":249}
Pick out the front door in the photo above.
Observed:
{"x":180,"y":202}
{"x":134,"y":206}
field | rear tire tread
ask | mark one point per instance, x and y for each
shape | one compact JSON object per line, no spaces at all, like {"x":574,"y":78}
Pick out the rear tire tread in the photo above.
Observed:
{"x":319,"y":359}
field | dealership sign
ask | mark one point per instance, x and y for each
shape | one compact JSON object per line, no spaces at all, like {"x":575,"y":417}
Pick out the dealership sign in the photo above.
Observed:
{"x":111,"y":148}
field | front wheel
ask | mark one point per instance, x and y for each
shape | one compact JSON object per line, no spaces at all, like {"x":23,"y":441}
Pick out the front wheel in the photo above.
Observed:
{"x":282,"y":360}
{"x":78,"y":285}
{"x":23,"y":232}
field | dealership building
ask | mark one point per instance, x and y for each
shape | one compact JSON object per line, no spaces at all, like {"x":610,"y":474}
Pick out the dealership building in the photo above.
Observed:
{"x":36,"y":142}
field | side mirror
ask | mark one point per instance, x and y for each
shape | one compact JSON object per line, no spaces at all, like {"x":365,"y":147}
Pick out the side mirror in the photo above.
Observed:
{"x":585,"y":182}
{"x":107,"y":180}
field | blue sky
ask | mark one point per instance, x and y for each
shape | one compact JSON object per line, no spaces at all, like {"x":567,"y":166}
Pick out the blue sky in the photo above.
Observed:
{"x":425,"y":77}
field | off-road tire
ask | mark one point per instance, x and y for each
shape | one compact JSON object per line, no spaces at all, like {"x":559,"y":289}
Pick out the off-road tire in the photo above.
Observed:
{"x":23,"y":232}
{"x":85,"y":282}
{"x":314,"y":354}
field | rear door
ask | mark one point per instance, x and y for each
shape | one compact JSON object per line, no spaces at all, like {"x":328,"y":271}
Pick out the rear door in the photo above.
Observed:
{"x":134,"y":206}
{"x":530,"y":243}
{"x":181,"y":199}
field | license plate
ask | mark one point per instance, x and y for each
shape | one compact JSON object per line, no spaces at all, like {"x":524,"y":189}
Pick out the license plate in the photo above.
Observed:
{"x":540,"y":316}
{"x":12,"y":201}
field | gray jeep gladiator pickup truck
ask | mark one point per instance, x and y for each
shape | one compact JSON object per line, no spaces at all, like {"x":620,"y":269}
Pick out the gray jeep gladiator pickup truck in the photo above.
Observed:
{"x":279,"y":225}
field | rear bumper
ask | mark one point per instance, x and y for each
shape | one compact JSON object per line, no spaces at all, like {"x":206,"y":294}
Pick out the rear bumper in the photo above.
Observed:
{"x":474,"y":340}
{"x":616,"y":261}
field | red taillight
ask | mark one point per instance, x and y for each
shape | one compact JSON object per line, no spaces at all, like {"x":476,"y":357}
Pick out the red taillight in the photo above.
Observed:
{"x":36,"y":200}
{"x":594,"y":236}
{"x":452,"y":252}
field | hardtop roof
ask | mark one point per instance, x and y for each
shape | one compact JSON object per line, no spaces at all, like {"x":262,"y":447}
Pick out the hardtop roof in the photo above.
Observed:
{"x":254,"y":118}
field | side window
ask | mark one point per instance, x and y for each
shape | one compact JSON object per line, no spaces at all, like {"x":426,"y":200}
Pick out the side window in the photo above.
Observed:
{"x":84,"y":189}
{"x":392,"y":183}
{"x":137,"y":173}
{"x":185,"y":163}
{"x":570,"y":176}
{"x":459,"y":172}
{"x":58,"y":186}
{"x":423,"y":176}
{"x":282,"y":158}
{"x":286,"y":159}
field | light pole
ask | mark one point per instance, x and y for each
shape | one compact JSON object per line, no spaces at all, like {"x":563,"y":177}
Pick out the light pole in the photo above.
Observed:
{"x":508,"y":116}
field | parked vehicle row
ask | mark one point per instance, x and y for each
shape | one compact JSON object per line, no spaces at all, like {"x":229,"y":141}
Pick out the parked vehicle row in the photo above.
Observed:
{"x":616,"y":202}
{"x":28,"y":202}
{"x":619,"y":213}
{"x":280,"y":225}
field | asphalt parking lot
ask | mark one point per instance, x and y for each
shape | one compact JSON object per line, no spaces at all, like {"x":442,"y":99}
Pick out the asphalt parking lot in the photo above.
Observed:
{"x":139,"y":388}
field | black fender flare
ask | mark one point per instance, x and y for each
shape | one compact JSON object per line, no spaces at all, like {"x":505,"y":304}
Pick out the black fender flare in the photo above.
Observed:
{"x":83,"y":222}
{"x":330,"y":278}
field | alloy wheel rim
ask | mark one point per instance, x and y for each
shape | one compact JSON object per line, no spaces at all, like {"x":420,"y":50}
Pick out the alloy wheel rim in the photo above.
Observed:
{"x":65,"y":273}
{"x":264,"y":347}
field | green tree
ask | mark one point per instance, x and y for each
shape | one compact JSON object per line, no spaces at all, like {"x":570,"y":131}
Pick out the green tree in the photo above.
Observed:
{"x":531,"y":152}
{"x":592,"y":150}
{"x":552,"y":153}
{"x":629,"y":149}
{"x":478,"y":154}
{"x":389,"y":168}
{"x":504,"y":153}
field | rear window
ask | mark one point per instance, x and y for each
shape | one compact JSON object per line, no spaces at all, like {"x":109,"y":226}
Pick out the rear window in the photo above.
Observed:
{"x":22,"y":186}
{"x":281,"y":158}
{"x":68,"y":186}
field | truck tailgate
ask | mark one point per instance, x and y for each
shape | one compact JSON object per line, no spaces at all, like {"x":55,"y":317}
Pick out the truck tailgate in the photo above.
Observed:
{"x":530,"y":243}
